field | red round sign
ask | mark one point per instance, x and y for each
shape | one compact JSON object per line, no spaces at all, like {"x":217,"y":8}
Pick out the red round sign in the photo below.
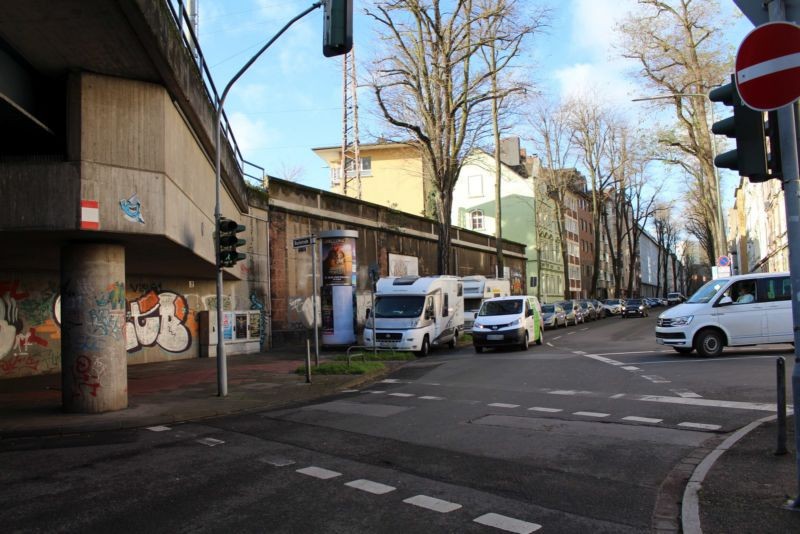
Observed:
{"x":768,"y":66}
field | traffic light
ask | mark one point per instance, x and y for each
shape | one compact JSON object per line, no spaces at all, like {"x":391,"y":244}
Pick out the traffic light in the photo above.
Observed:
{"x":753,"y":157}
{"x":228,"y":242}
{"x":337,"y":31}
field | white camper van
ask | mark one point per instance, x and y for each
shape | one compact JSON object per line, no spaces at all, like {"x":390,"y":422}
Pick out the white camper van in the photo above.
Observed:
{"x":479,"y":288}
{"x":415,"y":313}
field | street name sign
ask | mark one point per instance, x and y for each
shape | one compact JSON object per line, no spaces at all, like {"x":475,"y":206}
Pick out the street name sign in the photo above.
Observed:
{"x":768,"y":66}
{"x":303,"y":242}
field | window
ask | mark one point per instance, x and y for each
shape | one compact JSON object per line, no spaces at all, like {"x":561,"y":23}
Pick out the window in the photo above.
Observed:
{"x":772,"y":289}
{"x":476,"y":219}
{"x":365,"y":168}
{"x":475,"y":186}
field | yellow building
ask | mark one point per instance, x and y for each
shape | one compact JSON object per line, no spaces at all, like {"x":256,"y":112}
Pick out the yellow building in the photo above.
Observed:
{"x":390,"y":174}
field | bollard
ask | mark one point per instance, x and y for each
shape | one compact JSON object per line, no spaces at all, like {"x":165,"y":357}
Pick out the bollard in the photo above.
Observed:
{"x":308,"y":361}
{"x":781,"y":366}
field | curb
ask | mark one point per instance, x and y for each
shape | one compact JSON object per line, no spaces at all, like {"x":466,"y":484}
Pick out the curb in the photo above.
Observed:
{"x":690,"y":507}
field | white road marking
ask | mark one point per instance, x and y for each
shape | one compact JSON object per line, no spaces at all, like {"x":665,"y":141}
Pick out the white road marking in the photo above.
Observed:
{"x":557,"y":337}
{"x":701,"y":426}
{"x":584,"y":329}
{"x":578,"y":352}
{"x":401,"y":395}
{"x":370,"y":487}
{"x":549,"y":410}
{"x":210,"y":442}
{"x":430,"y":503}
{"x":710,"y":360}
{"x":278,"y":462}
{"x":430,"y":383}
{"x":390,"y":381}
{"x":591,"y":414}
{"x":568,"y":392}
{"x":375,"y":391}
{"x":159,"y":428}
{"x":686,"y":394}
{"x":630,"y":368}
{"x":550,"y":344}
{"x":318,"y":472}
{"x":617,"y":396}
{"x":655,"y":379}
{"x":570,"y":333}
{"x":349,"y":391}
{"x":509,"y":524}
{"x":602,"y":359}
{"x":765,"y":407}
{"x":430,"y":397}
{"x":502,"y":405}
{"x":641,"y":419}
{"x":634,"y":352}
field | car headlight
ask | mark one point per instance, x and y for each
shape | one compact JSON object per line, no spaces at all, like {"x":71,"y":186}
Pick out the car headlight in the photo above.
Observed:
{"x":515,"y":322}
{"x":477,"y":326}
{"x":682,"y":321}
{"x":641,"y":307}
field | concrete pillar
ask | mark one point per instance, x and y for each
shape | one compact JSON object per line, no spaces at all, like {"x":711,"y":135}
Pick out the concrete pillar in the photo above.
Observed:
{"x":94,"y":367}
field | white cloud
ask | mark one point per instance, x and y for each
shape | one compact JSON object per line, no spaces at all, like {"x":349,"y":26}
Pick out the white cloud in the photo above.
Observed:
{"x":594,"y":23}
{"x":604,"y":82}
{"x":252,"y":135}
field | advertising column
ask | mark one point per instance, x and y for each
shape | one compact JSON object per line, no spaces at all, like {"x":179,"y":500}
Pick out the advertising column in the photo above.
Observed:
{"x":338,"y":286}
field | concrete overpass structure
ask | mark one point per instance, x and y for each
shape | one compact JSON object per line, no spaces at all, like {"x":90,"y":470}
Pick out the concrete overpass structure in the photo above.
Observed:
{"x":107,"y":195}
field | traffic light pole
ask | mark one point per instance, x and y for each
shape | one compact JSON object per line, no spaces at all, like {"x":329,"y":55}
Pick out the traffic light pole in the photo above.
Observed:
{"x":789,"y":134}
{"x":222,"y":368}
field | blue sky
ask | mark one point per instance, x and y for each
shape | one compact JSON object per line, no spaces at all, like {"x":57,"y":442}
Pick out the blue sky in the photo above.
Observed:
{"x":290,"y":100}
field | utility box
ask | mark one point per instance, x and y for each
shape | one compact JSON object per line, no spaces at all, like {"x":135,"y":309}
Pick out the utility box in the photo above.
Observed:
{"x":243,"y":332}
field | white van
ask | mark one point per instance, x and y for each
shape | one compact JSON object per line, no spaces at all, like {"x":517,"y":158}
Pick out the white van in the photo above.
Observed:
{"x":748,"y":309}
{"x":414,"y":313}
{"x":478,"y":288}
{"x":507,"y":321}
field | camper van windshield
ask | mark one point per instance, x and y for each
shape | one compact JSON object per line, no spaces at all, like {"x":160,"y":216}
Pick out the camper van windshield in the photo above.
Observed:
{"x":500,"y":307}
{"x":398,"y":306}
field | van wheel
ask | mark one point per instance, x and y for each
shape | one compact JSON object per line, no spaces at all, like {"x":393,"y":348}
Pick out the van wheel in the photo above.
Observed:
{"x":708,"y":343}
{"x":683,"y":350}
{"x":425,"y":349}
{"x":524,"y":345}
{"x":540,"y":339}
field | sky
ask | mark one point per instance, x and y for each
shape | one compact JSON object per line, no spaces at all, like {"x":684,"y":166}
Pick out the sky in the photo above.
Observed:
{"x":290,"y":100}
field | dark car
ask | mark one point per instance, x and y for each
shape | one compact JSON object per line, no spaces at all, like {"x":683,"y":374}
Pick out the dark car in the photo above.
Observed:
{"x":589,"y":312}
{"x":635,"y":307}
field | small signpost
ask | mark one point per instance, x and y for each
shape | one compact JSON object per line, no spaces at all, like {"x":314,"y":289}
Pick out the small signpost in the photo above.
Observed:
{"x":300,"y":243}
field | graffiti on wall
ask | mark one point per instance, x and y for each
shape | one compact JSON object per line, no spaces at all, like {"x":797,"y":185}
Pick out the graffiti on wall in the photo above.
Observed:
{"x":27,"y":329}
{"x":256,"y":304}
{"x":158,"y":318}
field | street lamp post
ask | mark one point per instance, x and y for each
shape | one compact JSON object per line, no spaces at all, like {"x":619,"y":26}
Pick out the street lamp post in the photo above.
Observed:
{"x":222,"y":369}
{"x":720,"y":221}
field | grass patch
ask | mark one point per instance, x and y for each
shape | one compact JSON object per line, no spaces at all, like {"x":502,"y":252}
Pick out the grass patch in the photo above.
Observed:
{"x":379,"y":356}
{"x":341,"y":368}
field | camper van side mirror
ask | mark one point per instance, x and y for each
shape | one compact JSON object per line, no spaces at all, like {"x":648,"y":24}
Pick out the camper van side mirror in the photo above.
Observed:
{"x":428,"y":314}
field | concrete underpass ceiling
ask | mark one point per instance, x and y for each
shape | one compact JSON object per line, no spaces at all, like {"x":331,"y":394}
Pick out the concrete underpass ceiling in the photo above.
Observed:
{"x":144,"y":255}
{"x":56,"y":36}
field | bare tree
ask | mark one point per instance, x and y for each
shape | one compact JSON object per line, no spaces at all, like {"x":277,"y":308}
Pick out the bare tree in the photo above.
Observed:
{"x":666,"y":237}
{"x":678,"y":46}
{"x":430,"y":85}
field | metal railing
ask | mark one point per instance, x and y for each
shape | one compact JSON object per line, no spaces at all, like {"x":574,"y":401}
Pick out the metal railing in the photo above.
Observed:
{"x":186,"y":29}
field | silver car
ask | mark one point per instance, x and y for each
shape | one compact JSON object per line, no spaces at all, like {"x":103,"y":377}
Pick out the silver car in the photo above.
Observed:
{"x":553,"y":316}
{"x":573,"y":311}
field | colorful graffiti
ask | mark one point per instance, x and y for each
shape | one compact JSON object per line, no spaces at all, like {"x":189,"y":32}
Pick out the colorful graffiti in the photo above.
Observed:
{"x":256,"y":304}
{"x":158,"y":318}
{"x":86,"y":375}
{"x":27,"y":328}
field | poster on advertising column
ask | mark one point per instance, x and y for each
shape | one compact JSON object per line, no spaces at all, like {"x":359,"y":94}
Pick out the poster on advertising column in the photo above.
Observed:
{"x":338,"y":261}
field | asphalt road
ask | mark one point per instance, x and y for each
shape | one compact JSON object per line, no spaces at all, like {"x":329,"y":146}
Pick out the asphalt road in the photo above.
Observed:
{"x":576,"y":435}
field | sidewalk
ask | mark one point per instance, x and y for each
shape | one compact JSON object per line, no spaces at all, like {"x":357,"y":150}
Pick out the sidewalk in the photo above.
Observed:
{"x":170,"y":392}
{"x":744,"y":491}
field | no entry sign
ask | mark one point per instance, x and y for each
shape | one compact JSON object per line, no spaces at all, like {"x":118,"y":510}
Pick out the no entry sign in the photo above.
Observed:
{"x":768,"y":66}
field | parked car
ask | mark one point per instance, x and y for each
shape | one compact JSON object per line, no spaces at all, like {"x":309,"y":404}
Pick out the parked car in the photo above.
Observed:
{"x":613,"y":306}
{"x":589,"y":313}
{"x":553,"y":316}
{"x":675,"y":298}
{"x":635,"y":307}
{"x":505,"y":321}
{"x":573,"y":311}
{"x":727,"y":312}
{"x":654,"y":302}
{"x":598,"y":308}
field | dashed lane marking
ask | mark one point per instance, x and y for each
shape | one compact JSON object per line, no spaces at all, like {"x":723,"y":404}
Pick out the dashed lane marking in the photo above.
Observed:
{"x":685,"y":393}
{"x":699,"y":426}
{"x":578,"y":352}
{"x":159,"y":428}
{"x":375,"y":488}
{"x":603,"y":359}
{"x":630,"y":368}
{"x":390,"y":381}
{"x":431,"y":397}
{"x":547,"y":410}
{"x":584,"y":329}
{"x":318,"y":472}
{"x":557,"y":337}
{"x":349,"y":391}
{"x":550,"y":344}
{"x":568,"y":392}
{"x":401,"y":395}
{"x":277,"y":461}
{"x":502,"y":405}
{"x":374,"y":391}
{"x":210,"y":442}
{"x":642,"y":419}
{"x":655,"y":379}
{"x":591,"y":414}
{"x":764,"y":407}
{"x":509,"y":524}
{"x":431,"y":503}
{"x":633,"y":352}
{"x":617,"y":396}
